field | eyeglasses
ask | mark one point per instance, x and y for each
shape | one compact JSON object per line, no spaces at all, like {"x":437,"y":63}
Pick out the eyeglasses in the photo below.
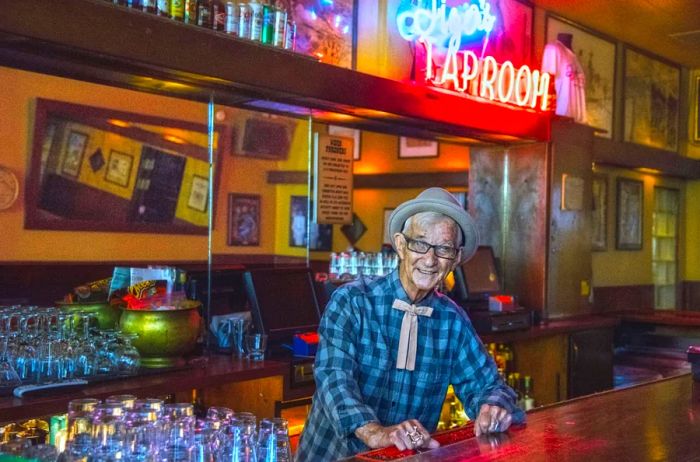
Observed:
{"x":443,"y":251}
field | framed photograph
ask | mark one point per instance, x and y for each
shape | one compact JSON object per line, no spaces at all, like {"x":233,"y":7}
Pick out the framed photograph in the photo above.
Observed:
{"x":326,"y":29}
{"x":630,"y":211}
{"x":597,"y":58}
{"x":316,"y":237}
{"x":386,"y":239}
{"x":412,"y":148}
{"x":651,"y":101}
{"x":119,"y":168}
{"x":75,"y":148}
{"x":243,"y":220}
{"x":354,"y":134}
{"x":599,"y":215}
{"x":696,"y":125}
{"x":199,"y":194}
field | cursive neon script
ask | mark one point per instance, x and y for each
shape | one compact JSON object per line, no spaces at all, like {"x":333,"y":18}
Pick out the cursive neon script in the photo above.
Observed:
{"x":437,"y":24}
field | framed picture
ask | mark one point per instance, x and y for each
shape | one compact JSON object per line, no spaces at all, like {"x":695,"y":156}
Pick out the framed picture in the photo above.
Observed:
{"x":119,"y":168}
{"x":597,"y":57}
{"x":345,"y":132}
{"x":75,"y":148}
{"x":199,"y":194}
{"x":354,"y":231}
{"x":411,"y":148}
{"x":599,"y":215}
{"x":511,"y":37}
{"x":651,"y":101}
{"x":696,"y":125}
{"x":630,"y":209}
{"x":243,"y":220}
{"x":326,"y":29}
{"x":318,"y":237}
{"x":386,"y":239}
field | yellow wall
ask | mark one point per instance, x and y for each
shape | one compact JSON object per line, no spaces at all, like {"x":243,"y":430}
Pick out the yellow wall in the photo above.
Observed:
{"x":17,"y":102}
{"x":632,"y":267}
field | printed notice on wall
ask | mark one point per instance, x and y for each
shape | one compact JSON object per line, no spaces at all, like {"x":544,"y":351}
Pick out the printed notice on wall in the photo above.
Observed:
{"x":333,"y":179}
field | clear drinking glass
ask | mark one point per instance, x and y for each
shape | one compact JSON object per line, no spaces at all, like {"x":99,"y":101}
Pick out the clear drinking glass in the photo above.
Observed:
{"x":273,"y":441}
{"x":256,"y":344}
{"x":127,"y":401}
{"x":179,"y":433}
{"x":108,"y":433}
{"x":79,"y":425}
{"x":142,"y":435}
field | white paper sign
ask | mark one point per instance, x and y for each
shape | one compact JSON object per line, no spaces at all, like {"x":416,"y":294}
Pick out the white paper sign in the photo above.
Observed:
{"x":333,"y":179}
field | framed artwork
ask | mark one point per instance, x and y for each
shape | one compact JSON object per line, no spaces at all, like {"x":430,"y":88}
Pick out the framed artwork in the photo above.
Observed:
{"x":599,"y":215}
{"x":354,"y":231}
{"x":630,"y":209}
{"x":199,"y":194}
{"x":119,"y":168}
{"x":318,"y":237}
{"x":326,"y":29}
{"x":243,"y":219}
{"x":651,"y":101}
{"x":75,"y":148}
{"x":511,"y":37}
{"x":386,"y":239}
{"x":696,"y":125}
{"x":412,"y":148}
{"x":597,"y":58}
{"x":345,"y":132}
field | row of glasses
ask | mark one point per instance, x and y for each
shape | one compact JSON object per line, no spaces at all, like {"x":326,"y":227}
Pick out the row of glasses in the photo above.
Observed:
{"x":47,"y":345}
{"x":147,"y":430}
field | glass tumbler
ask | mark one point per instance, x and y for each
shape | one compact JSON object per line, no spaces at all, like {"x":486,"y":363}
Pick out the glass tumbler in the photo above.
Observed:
{"x":178,"y":433}
{"x":79,"y":426}
{"x":273,"y":441}
{"x":256,"y":344}
{"x":108,"y":433}
{"x":142,"y":430}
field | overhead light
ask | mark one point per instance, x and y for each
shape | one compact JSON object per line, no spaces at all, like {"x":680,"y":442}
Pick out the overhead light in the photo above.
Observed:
{"x":118,"y":123}
{"x":174,"y":139}
{"x":653,"y":171}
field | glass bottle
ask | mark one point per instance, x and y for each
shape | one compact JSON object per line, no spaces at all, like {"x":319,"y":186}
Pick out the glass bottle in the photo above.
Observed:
{"x":528,"y":400}
{"x":177,"y":12}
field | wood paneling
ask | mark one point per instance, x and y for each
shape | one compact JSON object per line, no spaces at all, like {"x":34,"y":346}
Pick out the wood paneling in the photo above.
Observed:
{"x":545,"y":360}
{"x":256,"y":396}
{"x":629,"y":155}
{"x":615,"y":298}
{"x":691,"y":295}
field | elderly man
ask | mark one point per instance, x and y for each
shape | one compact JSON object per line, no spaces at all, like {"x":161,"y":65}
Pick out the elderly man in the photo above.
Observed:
{"x":390,"y":347}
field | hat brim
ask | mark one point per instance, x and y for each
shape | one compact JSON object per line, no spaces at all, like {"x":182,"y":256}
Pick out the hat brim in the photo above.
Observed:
{"x":470,"y":235}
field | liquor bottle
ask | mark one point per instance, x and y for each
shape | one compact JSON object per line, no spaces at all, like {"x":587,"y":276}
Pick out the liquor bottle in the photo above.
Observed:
{"x":267,"y":34}
{"x":528,"y":400}
{"x":218,"y":15}
{"x":233,"y":19}
{"x":280,"y":27}
{"x":190,"y":11}
{"x":205,"y":10}
{"x":163,"y":8}
{"x":200,"y":410}
{"x":290,"y":41}
{"x":149,"y":6}
{"x":245,"y":18}
{"x":256,"y":20}
{"x":177,"y":10}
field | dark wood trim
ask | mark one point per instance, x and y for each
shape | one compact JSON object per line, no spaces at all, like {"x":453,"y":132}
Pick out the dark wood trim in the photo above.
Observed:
{"x":97,"y":41}
{"x":458,"y":179}
{"x":287,"y":177}
{"x":691,"y":295}
{"x":629,"y":155}
{"x":616,"y":298}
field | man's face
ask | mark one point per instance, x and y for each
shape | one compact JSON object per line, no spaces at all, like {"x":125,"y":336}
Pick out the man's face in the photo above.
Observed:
{"x":421,"y":273}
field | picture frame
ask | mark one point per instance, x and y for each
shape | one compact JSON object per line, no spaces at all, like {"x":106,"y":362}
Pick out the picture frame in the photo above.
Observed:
{"x":326,"y":30}
{"x":512,"y":36}
{"x":696,"y":124}
{"x":416,"y":148}
{"x":599,"y":213}
{"x":199,"y":194}
{"x":596,"y":54}
{"x":354,"y":231}
{"x":119,"y":168}
{"x":321,"y":234}
{"x":386,"y":239}
{"x":243,"y":220}
{"x":75,"y":149}
{"x":630,"y":211}
{"x":651,"y":101}
{"x":345,"y":132}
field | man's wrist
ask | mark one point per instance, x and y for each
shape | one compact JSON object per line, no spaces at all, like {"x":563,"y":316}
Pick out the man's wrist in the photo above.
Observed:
{"x":367,"y":431}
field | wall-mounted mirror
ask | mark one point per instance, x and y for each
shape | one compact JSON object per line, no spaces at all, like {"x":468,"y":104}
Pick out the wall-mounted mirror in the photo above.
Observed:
{"x":97,"y":169}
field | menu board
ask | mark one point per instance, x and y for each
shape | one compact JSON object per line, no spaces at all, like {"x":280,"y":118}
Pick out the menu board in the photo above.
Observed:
{"x":333,"y":179}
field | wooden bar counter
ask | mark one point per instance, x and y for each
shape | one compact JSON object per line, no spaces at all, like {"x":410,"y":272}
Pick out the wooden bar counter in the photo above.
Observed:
{"x":212,"y":372}
{"x":657,"y":421}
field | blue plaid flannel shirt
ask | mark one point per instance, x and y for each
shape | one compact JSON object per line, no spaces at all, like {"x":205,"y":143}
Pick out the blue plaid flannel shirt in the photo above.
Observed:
{"x":356,"y":377}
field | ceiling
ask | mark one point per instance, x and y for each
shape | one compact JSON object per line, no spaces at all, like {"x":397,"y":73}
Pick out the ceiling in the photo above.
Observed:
{"x":668,"y":28}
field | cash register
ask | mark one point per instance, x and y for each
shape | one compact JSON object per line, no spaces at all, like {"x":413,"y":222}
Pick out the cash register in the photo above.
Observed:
{"x":478,"y":290}
{"x":284,"y":305}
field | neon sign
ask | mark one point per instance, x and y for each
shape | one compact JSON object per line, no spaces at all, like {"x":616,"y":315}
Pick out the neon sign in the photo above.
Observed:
{"x":462,"y":70}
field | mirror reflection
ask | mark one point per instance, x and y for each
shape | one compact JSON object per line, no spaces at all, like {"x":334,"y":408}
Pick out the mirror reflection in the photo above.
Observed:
{"x":99,"y":169}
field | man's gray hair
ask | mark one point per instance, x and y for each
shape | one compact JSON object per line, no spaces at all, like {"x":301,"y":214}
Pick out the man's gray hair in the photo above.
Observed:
{"x":430,"y":218}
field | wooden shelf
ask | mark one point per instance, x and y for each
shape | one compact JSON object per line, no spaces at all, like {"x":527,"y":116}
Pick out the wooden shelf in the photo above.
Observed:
{"x":96,"y":41}
{"x":634,"y":156}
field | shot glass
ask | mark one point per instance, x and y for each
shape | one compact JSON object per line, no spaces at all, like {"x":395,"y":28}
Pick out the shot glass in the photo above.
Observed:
{"x":256,"y":345}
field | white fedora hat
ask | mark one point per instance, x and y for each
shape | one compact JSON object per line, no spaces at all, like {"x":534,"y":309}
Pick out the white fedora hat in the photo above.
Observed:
{"x":440,"y":201}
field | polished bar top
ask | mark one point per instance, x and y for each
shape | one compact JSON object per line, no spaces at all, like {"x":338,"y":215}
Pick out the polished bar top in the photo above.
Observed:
{"x":666,"y":318}
{"x":553,"y":327}
{"x":655,"y":421}
{"x":202,"y":372}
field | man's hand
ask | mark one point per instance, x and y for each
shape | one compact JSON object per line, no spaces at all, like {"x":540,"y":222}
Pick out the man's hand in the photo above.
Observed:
{"x":409,"y":434}
{"x":492,"y":419}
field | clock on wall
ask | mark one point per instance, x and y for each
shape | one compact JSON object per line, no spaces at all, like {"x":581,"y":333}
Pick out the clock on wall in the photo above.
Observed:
{"x":9,"y":188}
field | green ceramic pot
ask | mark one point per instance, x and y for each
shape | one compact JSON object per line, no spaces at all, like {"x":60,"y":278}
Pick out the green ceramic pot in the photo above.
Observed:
{"x":163,"y":336}
{"x":107,"y":315}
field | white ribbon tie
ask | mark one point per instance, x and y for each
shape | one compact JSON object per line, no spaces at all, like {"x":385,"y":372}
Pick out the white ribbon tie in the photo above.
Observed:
{"x":408,"y":342}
